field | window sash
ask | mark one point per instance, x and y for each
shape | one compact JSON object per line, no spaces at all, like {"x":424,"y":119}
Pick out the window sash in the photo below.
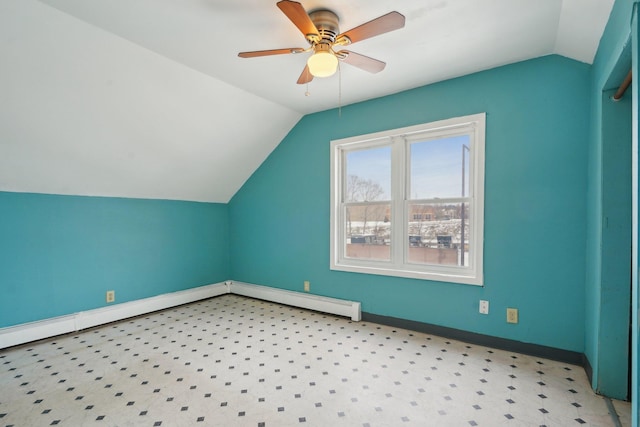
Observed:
{"x":400,"y":142}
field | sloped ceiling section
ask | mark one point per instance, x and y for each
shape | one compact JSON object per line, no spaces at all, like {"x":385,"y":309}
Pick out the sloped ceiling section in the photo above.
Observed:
{"x":85,"y":112}
{"x":442,"y":39}
{"x":148,"y":99}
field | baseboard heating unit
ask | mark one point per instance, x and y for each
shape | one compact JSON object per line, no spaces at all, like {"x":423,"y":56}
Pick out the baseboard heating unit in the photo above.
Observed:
{"x":33,"y":331}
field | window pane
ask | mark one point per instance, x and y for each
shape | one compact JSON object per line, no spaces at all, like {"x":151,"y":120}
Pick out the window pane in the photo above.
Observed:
{"x":368,"y":231}
{"x":368,"y":175}
{"x":436,"y":232}
{"x":440,"y":168}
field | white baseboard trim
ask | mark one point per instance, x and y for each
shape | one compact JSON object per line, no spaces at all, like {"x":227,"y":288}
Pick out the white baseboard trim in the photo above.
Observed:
{"x":33,"y":331}
{"x":298,"y":299}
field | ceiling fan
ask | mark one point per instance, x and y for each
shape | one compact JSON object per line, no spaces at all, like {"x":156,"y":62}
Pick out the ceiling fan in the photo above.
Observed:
{"x":320,"y":28}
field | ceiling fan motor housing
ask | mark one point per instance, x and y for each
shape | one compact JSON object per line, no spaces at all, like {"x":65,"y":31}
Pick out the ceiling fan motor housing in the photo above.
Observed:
{"x":327,"y":24}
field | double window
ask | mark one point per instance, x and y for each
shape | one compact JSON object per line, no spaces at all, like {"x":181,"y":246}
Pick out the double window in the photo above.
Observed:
{"x":409,"y":202}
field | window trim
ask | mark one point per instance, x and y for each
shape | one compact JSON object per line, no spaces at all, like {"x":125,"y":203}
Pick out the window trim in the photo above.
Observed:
{"x":398,"y":140}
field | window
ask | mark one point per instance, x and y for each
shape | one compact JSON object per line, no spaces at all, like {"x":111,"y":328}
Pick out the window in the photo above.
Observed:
{"x":409,"y":202}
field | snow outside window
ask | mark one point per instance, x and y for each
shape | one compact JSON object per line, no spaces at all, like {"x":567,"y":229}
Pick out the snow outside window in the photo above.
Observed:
{"x":409,"y":202}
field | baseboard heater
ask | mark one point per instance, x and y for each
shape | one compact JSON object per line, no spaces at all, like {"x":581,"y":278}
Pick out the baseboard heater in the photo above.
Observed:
{"x":33,"y":331}
{"x":298,"y":299}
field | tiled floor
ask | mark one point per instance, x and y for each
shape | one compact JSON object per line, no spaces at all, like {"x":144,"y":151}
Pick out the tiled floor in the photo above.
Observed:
{"x":235,"y":361}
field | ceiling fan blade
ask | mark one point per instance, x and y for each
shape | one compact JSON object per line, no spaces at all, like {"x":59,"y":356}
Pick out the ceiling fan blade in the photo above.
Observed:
{"x":256,"y":53}
{"x":364,"y":62}
{"x":296,"y":13}
{"x":306,"y":76}
{"x":383,"y":24}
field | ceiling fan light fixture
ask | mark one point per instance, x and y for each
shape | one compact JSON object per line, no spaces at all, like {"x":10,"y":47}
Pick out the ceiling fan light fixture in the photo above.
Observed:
{"x":322,"y":64}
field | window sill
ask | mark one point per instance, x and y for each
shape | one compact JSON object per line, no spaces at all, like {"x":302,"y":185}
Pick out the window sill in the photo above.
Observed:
{"x":449,"y":277}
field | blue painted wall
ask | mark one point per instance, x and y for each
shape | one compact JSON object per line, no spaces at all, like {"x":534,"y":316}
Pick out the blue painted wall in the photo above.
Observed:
{"x":615,"y":249}
{"x":535,"y":208}
{"x":635,"y":215}
{"x":60,"y":254}
{"x":609,"y":204}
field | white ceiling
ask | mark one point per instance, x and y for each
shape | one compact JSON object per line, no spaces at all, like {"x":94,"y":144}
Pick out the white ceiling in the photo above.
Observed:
{"x":147,"y":98}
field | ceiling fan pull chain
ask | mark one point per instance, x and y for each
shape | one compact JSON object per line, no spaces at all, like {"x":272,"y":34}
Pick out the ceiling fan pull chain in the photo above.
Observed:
{"x":339,"y":91}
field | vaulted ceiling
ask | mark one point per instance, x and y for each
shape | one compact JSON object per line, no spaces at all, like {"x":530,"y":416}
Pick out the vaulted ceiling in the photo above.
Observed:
{"x":148,"y":98}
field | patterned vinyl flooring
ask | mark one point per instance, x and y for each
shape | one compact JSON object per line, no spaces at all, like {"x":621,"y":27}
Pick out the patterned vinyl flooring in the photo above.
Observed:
{"x":237,"y":361}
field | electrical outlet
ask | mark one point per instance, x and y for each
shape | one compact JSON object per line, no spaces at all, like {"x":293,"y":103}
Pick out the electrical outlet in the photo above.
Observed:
{"x":307,"y":286}
{"x":111,"y":296}
{"x":512,"y":315}
{"x":484,"y":307}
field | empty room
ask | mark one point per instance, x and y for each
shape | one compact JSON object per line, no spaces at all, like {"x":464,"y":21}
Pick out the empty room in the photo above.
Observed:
{"x":313,"y":213}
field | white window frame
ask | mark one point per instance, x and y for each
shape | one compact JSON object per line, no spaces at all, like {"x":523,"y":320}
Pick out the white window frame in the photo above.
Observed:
{"x":399,"y":140}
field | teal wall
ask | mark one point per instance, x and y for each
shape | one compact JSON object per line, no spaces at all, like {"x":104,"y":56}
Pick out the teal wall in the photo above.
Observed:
{"x":60,"y":254}
{"x":615,"y":252}
{"x":535,"y":205}
{"x":609,"y":202}
{"x":635,"y":216}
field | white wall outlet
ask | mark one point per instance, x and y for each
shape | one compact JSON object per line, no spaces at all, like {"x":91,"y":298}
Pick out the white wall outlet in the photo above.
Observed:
{"x":512,"y":315}
{"x":484,"y":307}
{"x":111,"y":296}
{"x":307,"y":286}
